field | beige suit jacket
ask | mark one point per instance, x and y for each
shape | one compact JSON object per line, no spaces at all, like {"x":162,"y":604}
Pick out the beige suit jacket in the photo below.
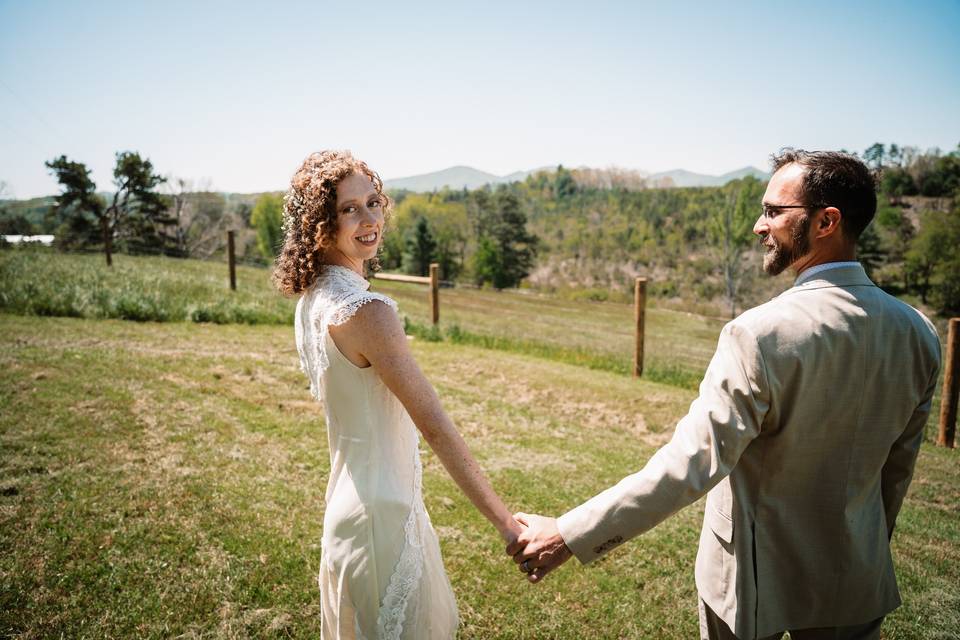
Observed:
{"x":805,"y":435}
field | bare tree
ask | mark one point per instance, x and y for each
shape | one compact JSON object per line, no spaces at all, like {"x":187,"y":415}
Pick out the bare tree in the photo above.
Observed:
{"x":206,"y":223}
{"x":731,"y":231}
{"x":178,"y":189}
{"x":199,"y":214}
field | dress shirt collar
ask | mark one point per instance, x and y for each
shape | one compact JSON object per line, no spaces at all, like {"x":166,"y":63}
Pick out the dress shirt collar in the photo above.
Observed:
{"x":812,"y":271}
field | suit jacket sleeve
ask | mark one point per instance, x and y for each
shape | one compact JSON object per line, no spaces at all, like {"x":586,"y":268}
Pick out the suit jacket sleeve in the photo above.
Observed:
{"x":708,"y":441}
{"x":898,"y":469}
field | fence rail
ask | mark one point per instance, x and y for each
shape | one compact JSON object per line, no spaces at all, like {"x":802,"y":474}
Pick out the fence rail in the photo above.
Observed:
{"x":433,"y":281}
{"x":396,"y":277}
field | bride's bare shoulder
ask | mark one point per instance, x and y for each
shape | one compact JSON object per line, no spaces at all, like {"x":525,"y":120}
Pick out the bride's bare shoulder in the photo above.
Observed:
{"x":375,"y":327}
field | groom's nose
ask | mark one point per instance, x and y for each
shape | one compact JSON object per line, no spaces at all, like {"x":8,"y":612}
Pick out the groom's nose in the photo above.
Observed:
{"x":760,"y":226}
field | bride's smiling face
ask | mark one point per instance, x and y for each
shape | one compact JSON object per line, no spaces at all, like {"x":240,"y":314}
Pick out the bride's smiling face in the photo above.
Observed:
{"x":359,"y":220}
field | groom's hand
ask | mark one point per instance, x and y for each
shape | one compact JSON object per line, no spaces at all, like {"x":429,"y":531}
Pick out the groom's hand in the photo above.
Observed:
{"x":540,"y":548}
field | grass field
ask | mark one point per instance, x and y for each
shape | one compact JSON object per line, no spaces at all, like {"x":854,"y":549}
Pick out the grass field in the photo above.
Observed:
{"x":40,"y":281}
{"x":165,"y":480}
{"x":598,"y":335}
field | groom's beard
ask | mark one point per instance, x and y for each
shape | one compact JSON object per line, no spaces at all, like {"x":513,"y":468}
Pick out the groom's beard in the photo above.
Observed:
{"x":778,"y":257}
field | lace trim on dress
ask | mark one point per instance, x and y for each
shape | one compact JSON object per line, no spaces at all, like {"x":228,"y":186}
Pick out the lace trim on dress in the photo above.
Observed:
{"x":299,"y":338}
{"x":333,"y":300}
{"x":409,"y":570}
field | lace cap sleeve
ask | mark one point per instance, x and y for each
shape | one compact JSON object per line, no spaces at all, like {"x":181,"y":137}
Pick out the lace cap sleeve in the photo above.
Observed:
{"x":349,"y":306}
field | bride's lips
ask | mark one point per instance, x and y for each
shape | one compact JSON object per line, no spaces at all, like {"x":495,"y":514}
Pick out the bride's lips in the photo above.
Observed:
{"x":368,"y":239}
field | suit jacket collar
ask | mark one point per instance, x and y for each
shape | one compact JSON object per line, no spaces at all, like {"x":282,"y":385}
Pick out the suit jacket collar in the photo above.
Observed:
{"x":852,"y":276}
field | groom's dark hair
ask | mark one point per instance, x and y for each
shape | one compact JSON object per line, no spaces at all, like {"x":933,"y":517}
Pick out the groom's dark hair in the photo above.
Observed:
{"x":835,"y":179}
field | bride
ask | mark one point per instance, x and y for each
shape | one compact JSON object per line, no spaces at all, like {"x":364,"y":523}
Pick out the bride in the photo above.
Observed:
{"x":381,"y":574}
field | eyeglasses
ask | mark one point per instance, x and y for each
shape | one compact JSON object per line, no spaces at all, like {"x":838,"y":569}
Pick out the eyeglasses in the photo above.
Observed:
{"x":771,"y":210}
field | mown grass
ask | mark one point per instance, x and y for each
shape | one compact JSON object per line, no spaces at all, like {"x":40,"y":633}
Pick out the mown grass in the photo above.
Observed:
{"x":166,"y":480}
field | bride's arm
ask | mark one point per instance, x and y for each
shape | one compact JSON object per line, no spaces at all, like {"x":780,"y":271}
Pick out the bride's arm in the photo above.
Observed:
{"x":376,"y":335}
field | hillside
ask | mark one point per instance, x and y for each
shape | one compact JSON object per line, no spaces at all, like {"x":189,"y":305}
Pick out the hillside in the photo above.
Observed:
{"x":33,"y":211}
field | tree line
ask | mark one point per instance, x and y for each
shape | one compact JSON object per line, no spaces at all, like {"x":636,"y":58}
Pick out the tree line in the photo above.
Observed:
{"x":589,"y":232}
{"x":146,"y":213}
{"x":478,"y":235}
{"x":912,"y":247}
{"x":585,"y":231}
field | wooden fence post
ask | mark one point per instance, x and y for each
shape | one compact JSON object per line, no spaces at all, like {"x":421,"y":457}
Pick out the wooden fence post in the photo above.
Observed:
{"x":951,"y":387}
{"x":639,"y":312}
{"x":232,"y":258}
{"x":433,"y":282}
{"x":435,"y":292}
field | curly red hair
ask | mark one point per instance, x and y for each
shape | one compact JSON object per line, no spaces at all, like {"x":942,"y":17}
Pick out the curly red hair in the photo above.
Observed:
{"x":310,"y":216}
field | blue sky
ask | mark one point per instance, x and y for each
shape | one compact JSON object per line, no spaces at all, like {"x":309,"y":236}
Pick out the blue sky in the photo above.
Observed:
{"x":235,"y":94}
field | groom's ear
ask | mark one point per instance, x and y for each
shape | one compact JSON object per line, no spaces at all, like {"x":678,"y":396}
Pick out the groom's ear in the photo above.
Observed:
{"x":829,"y":222}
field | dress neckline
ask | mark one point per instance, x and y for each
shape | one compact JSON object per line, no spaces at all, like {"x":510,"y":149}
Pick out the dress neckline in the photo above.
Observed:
{"x":345,"y":275}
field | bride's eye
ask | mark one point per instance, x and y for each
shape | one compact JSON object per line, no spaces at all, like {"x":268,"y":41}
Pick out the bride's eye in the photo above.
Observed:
{"x":349,"y":209}
{"x":375,"y":203}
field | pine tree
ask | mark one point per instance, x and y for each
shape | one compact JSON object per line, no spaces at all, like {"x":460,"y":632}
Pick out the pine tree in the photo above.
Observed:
{"x":79,"y":211}
{"x":138,"y":217}
{"x":420,"y":248}
{"x":505,"y":250}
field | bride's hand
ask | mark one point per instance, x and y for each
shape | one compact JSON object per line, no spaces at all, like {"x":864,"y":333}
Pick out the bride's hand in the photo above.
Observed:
{"x":512,"y":530}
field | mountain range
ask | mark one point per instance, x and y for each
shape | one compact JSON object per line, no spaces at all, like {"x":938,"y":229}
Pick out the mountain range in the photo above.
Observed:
{"x":459,"y":177}
{"x":684,"y":178}
{"x":463,"y":177}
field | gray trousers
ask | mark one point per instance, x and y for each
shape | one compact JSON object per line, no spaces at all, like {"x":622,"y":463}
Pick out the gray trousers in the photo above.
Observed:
{"x":713,"y":628}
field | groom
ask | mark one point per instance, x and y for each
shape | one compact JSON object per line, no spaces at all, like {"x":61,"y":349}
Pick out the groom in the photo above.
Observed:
{"x":804,"y":436}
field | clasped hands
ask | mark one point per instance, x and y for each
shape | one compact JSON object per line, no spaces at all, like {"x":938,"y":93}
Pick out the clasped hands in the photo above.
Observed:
{"x":539,"y":549}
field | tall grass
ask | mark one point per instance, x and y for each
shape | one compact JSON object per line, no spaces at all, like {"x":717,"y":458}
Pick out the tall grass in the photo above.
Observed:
{"x":40,"y":281}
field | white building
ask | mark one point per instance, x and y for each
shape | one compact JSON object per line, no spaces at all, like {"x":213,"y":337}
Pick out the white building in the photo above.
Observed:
{"x":17,"y":239}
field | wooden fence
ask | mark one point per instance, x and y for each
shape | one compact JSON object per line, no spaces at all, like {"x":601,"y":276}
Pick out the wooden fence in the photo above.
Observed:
{"x":951,"y":387}
{"x":232,"y":259}
{"x":433,"y":280}
{"x":951,"y":379}
{"x":639,"y":316}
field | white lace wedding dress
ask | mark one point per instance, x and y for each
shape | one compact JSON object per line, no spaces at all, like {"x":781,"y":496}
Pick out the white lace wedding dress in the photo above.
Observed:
{"x":381,"y":574}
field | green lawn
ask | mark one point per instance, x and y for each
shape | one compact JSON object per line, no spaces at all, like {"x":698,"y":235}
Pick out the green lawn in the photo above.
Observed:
{"x":166,"y":480}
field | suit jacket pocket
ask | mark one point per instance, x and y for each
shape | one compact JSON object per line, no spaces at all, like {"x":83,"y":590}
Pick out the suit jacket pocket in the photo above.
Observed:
{"x":719,"y":510}
{"x":719,"y":523}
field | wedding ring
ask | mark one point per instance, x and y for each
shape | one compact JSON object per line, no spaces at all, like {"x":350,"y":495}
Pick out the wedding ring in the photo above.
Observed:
{"x":525,"y":565}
